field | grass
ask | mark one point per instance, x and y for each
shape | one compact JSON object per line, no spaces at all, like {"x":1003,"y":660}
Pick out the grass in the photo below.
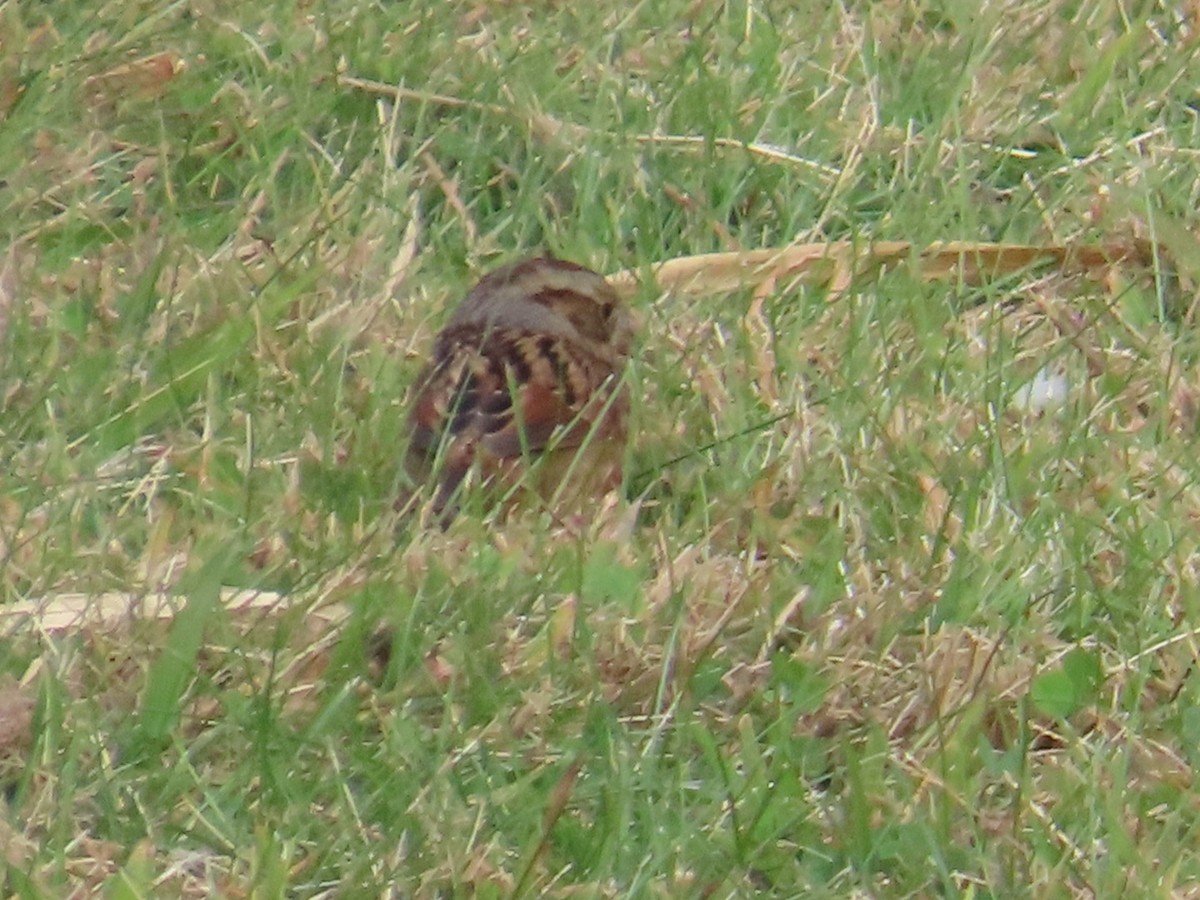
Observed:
{"x":866,"y":621}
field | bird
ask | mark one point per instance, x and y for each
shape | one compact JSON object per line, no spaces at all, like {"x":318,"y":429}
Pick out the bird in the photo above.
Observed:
{"x":526,"y":389}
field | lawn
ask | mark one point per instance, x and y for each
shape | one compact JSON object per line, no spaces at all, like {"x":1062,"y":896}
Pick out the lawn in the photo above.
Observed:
{"x":900,"y":595}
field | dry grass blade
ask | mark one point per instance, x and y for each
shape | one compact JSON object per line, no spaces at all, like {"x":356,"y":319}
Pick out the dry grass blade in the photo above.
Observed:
{"x":547,"y":128}
{"x":63,"y":613}
{"x":144,"y":78}
{"x":560,"y":795}
{"x":829,"y":174}
{"x":835,"y":264}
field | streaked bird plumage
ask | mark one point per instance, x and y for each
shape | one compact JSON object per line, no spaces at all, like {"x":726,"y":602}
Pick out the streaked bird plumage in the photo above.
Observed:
{"x":526,"y":387}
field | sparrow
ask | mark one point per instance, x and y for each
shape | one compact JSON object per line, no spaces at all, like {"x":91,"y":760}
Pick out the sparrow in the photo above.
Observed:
{"x":525,"y":389}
